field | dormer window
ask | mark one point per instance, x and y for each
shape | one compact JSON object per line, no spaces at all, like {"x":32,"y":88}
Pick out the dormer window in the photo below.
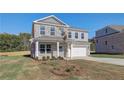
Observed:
{"x":69,"y":35}
{"x":52,"y":30}
{"x":42,"y":30}
{"x":76,"y":35}
{"x":82,"y":35}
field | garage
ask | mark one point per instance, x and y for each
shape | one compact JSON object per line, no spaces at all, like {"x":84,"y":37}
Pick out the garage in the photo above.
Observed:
{"x":78,"y":51}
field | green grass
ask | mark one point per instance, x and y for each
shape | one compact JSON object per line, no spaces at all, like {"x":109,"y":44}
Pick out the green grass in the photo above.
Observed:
{"x":25,"y":68}
{"x":108,"y":55}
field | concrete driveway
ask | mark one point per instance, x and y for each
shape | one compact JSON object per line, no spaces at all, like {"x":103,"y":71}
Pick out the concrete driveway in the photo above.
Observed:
{"x":116,"y":61}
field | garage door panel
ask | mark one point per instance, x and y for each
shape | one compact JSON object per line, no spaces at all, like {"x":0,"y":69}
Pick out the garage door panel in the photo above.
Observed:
{"x":79,"y":51}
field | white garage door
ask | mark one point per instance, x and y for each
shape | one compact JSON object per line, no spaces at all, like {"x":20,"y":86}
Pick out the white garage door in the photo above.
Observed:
{"x":79,"y":51}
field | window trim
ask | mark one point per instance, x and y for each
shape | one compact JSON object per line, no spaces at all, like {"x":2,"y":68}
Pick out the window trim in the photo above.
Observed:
{"x":106,"y":43}
{"x":48,"y":48}
{"x":106,"y":30}
{"x":97,"y":41}
{"x":42,"y":31}
{"x":82,"y":35}
{"x":112,"y":47}
{"x":76,"y":35}
{"x":45,"y":48}
{"x":61,"y":49}
{"x":52,"y":32}
{"x":69,"y":34}
{"x":42,"y":49}
{"x":62,"y":31}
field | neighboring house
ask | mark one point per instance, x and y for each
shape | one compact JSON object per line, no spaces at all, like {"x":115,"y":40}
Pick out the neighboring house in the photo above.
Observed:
{"x":52,"y":37}
{"x":110,"y":39}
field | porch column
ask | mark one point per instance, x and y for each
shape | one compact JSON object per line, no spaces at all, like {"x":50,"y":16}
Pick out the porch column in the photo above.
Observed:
{"x":36,"y":48}
{"x":57,"y":49}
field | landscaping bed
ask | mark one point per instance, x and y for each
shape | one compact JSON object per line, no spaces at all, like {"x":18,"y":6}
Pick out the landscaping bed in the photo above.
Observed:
{"x":26,"y":68}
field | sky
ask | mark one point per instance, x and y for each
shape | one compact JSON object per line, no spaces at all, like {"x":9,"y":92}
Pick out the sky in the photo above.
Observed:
{"x":14,"y":23}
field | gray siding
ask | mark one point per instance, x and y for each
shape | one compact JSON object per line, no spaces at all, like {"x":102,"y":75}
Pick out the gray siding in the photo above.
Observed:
{"x":51,"y":21}
{"x":47,"y":30}
{"x":53,"y":50}
{"x":115,"y":40}
{"x":79,"y":35}
{"x":102,"y":31}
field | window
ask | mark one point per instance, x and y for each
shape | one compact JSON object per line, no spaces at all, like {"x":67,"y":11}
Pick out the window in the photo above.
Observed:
{"x":82,"y":35}
{"x":48,"y":48}
{"x":42,"y":48}
{"x":76,"y":35}
{"x":97,"y":41}
{"x":42,"y":30}
{"x":69,"y":35}
{"x":106,"y":42}
{"x":106,"y":30}
{"x":61,"y":48}
{"x":112,"y":47}
{"x":62,"y":31}
{"x":52,"y":30}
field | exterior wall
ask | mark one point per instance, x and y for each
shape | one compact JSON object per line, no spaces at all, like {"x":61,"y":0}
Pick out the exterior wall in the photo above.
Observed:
{"x":115,"y":40}
{"x":79,"y":35}
{"x":53,"y":22}
{"x":53,"y":50}
{"x":102,"y":31}
{"x":32,"y":49}
{"x":47,"y":30}
{"x":58,"y":32}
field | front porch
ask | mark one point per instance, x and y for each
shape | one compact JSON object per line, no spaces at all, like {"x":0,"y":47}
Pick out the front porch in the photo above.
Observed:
{"x":51,"y":49}
{"x":50,"y":46}
{"x":57,"y":47}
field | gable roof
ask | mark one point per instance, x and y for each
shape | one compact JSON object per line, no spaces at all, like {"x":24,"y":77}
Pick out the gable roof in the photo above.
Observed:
{"x":117,"y":27}
{"x":51,"y":16}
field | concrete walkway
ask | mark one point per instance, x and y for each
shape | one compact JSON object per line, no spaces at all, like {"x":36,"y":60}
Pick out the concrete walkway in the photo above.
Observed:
{"x":116,"y":61}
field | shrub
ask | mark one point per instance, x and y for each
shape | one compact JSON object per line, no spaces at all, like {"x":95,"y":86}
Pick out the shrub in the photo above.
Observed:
{"x":60,"y":58}
{"x":54,"y":58}
{"x":44,"y":58}
{"x":67,"y":70}
{"x":48,"y":57}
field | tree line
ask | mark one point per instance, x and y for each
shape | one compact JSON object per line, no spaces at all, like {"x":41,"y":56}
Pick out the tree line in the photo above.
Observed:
{"x":12,"y":42}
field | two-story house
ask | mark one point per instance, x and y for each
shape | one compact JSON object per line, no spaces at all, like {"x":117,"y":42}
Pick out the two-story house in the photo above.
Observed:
{"x":53,"y":37}
{"x":110,"y":39}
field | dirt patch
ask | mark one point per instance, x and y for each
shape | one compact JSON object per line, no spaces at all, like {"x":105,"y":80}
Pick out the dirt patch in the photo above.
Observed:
{"x":66,"y":69}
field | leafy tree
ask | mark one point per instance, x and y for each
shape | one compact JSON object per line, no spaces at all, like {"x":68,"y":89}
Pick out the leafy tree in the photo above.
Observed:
{"x":11,"y":42}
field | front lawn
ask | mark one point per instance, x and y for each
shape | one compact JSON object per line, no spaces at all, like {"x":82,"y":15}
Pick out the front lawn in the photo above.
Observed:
{"x":108,"y":55}
{"x":25,"y":68}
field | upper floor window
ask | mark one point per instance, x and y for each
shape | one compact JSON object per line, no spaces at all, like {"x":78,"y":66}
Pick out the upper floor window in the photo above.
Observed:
{"x":76,"y":35}
{"x":97,"y":41}
{"x":106,"y":42}
{"x":106,"y":30}
{"x":42,"y":30}
{"x":52,"y":30}
{"x":112,"y":47}
{"x":82,"y":35}
{"x":69,"y":35}
{"x":62,"y":31}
